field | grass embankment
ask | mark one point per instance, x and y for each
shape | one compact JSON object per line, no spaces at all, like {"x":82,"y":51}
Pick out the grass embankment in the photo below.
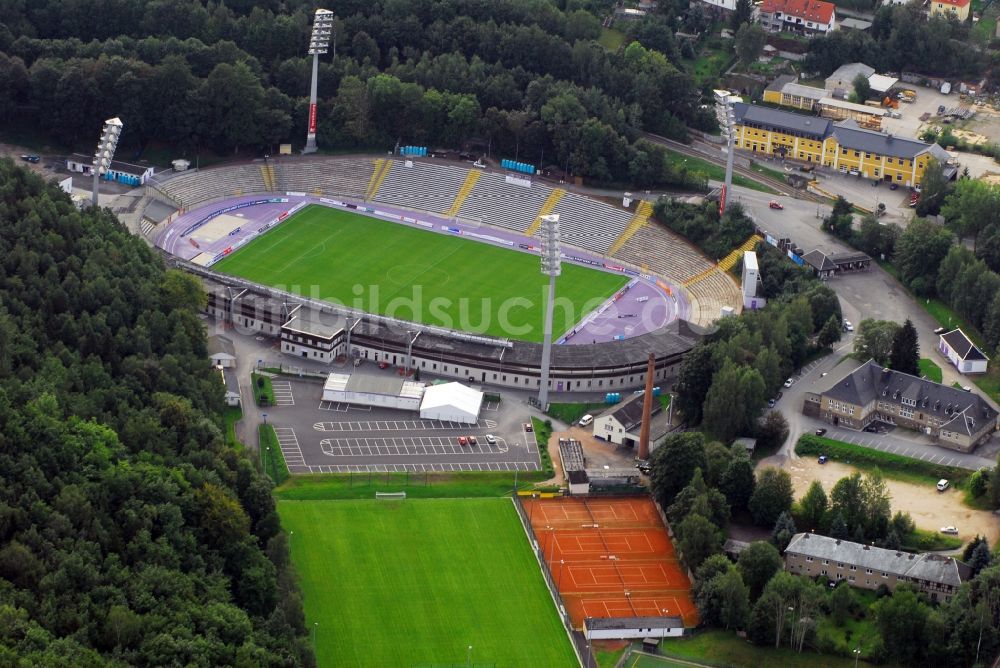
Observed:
{"x":418,"y":582}
{"x":898,"y":467}
{"x":263,"y":391}
{"x":571,"y":413}
{"x":543,"y":432}
{"x":230,"y":417}
{"x":466,"y":484}
{"x":930,"y":370}
{"x":714,"y":172}
{"x":271,"y":459}
{"x":611,"y":39}
{"x":724,"y":648}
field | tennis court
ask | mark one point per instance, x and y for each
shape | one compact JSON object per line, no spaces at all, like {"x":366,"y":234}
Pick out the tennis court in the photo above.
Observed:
{"x":611,"y":558}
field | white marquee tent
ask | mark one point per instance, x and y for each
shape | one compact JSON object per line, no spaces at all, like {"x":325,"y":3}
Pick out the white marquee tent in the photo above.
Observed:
{"x":452,"y":402}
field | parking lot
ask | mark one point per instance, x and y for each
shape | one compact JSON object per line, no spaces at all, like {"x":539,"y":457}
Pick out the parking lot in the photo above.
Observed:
{"x":317,"y":436}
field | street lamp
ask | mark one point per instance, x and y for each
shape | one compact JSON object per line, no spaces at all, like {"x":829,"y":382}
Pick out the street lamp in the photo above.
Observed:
{"x":468,"y":658}
{"x":264,"y":415}
{"x":105,"y":151}
{"x":551,"y":267}
{"x":319,"y":42}
{"x":314,"y":629}
{"x":857,"y":655}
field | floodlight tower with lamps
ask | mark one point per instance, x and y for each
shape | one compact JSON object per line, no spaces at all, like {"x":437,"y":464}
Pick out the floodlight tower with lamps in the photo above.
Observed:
{"x":551,"y":267}
{"x":319,"y":42}
{"x":727,"y":122}
{"x":106,"y":151}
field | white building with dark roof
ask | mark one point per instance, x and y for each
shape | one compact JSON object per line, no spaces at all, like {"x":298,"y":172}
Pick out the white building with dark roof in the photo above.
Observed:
{"x":957,"y":419}
{"x":962,"y":352}
{"x":221,"y":351}
{"x":622,"y":423}
{"x":867,"y":567}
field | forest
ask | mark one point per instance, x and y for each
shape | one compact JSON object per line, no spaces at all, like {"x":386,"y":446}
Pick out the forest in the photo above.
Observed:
{"x":525,"y":79}
{"x":130,"y":532}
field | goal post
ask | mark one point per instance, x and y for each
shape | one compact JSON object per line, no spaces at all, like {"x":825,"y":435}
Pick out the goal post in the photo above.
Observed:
{"x":390,"y":495}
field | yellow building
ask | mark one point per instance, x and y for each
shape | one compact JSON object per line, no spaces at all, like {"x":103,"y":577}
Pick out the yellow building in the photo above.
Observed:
{"x":841,"y":146}
{"x":957,"y":8}
{"x":786,"y":91}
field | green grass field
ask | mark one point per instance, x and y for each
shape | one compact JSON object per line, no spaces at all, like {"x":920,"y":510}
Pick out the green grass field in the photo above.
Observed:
{"x":416,"y":582}
{"x":930,"y":369}
{"x":416,"y":275}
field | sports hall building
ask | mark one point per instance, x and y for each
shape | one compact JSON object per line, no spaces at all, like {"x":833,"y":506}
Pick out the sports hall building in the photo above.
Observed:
{"x":842,"y":146}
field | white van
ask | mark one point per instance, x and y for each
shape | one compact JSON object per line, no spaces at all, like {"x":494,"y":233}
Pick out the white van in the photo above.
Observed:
{"x":586,"y":420}
{"x":943,"y":485}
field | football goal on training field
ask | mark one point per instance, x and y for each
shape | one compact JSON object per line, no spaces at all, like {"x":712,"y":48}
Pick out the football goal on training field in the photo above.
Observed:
{"x":390,"y":495}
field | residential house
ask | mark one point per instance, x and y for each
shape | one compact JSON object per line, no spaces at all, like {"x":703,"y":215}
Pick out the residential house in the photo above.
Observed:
{"x":956,"y":419}
{"x":232,"y":384}
{"x":843,"y":146}
{"x":804,"y":17}
{"x":867,"y":567}
{"x":951,"y":8}
{"x":962,"y":352}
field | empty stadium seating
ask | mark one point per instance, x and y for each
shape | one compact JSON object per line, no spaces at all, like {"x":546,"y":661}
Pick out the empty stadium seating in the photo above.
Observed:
{"x":190,"y":188}
{"x":664,"y":252}
{"x":343,"y":177}
{"x":424,"y":186}
{"x":493,"y":201}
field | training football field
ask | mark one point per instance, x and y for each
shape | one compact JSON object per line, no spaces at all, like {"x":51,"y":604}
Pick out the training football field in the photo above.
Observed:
{"x":416,"y":275}
{"x":416,"y":582}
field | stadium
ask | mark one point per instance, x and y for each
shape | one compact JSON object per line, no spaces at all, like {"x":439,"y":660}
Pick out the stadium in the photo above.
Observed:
{"x":434,"y":264}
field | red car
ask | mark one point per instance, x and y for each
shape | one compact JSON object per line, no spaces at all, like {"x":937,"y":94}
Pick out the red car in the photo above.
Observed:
{"x":383,"y":365}
{"x":774,"y":204}
{"x":462,"y":440}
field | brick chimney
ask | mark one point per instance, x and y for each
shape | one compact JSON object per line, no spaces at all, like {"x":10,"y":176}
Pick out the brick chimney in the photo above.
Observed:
{"x":647,"y":408}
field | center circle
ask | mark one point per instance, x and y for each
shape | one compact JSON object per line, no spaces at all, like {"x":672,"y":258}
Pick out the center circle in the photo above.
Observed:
{"x":406,"y":274}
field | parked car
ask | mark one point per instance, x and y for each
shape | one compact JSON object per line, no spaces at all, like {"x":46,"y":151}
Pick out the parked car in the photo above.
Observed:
{"x":462,"y":440}
{"x":823,"y":459}
{"x":30,"y":158}
{"x":854,"y":172}
{"x":491,"y":439}
{"x":528,"y":427}
{"x":770,"y":403}
{"x":383,"y":365}
{"x":940,"y":109}
{"x":940,"y":330}
{"x":820,"y":431}
{"x":778,"y":396}
{"x":848,"y":327}
{"x":788,"y":383}
{"x":893,"y":186}
{"x":943,"y":485}
{"x":586,"y":420}
{"x":774,"y":204}
{"x":871,"y":428}
{"x":952,"y":531}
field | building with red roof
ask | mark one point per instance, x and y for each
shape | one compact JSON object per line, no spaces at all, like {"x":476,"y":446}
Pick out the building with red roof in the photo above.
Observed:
{"x":957,"y":8}
{"x":806,"y":17}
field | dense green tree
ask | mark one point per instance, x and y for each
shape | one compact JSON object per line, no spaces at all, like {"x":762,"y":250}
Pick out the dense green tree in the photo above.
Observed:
{"x":735,"y":398}
{"x":771,"y":497}
{"x":784,"y":530}
{"x":738,"y":480}
{"x":758,"y":563}
{"x":813,"y":507}
{"x":699,"y":539}
{"x":771,"y":431}
{"x":842,"y":603}
{"x":674,"y":463}
{"x":830,"y":333}
{"x":874,"y":339}
{"x":919,"y":253}
{"x":862,"y":89}
{"x":693,"y":383}
{"x":905,"y":353}
{"x":901,"y":619}
{"x":971,"y":207}
{"x":749,"y":42}
{"x":718,"y":457}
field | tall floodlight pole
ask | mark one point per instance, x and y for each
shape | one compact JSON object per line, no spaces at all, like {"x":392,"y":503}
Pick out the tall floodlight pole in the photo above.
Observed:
{"x":551,"y":267}
{"x":727,"y":122}
{"x":318,"y":44}
{"x":106,"y":151}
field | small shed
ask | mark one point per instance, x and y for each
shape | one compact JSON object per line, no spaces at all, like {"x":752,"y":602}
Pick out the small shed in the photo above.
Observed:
{"x":451,"y":402}
{"x":749,"y":444}
{"x":221,"y":351}
{"x":579,"y":482}
{"x":232,"y":384}
{"x":123,"y":172}
{"x":962,"y":352}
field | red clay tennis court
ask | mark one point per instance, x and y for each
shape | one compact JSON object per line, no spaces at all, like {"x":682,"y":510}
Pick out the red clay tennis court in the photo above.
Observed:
{"x":611,"y":558}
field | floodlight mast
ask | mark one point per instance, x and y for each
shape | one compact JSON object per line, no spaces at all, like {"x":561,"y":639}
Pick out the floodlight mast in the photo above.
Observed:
{"x":551,"y":267}
{"x":105,"y":151}
{"x":319,"y":43}
{"x":726,"y":116}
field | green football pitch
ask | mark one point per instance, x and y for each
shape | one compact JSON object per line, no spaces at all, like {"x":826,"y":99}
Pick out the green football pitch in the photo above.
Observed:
{"x":417,"y":582}
{"x":416,"y":275}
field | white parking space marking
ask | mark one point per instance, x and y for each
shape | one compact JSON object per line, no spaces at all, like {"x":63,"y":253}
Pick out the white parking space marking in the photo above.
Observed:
{"x":491,"y":405}
{"x":399,"y":425}
{"x":282,"y":393}
{"x":289,"y":445}
{"x":412,"y":446}
{"x":420,"y":468}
